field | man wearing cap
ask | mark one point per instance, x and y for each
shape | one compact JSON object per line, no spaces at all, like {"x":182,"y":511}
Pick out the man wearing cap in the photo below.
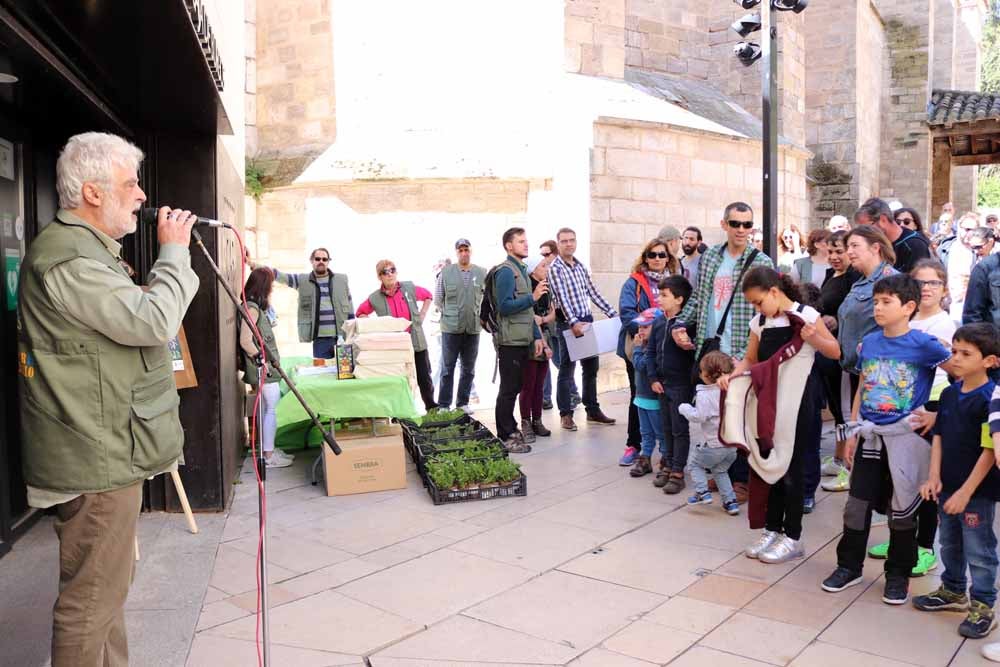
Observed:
{"x":672,"y":238}
{"x":458,"y":295}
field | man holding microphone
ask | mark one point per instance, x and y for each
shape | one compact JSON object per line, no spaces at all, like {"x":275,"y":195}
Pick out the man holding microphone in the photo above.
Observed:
{"x":99,"y":409}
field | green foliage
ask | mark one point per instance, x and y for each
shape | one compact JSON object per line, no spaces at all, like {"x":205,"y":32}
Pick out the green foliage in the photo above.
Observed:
{"x":455,"y":470}
{"x":989,"y":187}
{"x":254,"y":180}
{"x":442,"y":416}
{"x":442,"y":473}
{"x":452,"y":431}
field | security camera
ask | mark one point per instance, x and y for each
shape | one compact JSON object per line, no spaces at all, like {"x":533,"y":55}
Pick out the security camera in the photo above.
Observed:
{"x":746,"y":25}
{"x":747,"y":52}
{"x":790,"y":5}
{"x":747,"y":4}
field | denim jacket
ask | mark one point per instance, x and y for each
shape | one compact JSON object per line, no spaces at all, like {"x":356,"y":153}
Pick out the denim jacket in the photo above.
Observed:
{"x":856,"y":316}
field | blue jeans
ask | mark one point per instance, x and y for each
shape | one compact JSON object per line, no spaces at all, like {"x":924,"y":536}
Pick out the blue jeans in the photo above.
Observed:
{"x":324,"y":348}
{"x":565,"y":385}
{"x":967,"y":538}
{"x":453,"y":348}
{"x":555,"y":342}
{"x":651,"y":428}
{"x":717,"y":460}
{"x":675,"y":426}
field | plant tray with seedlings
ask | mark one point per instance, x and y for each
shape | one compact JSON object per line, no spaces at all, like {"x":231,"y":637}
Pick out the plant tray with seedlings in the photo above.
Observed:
{"x":451,"y":479}
{"x":473,"y":430}
{"x":458,"y":451}
{"x":444,"y":418}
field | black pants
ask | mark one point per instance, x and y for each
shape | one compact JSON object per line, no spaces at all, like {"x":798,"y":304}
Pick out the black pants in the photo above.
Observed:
{"x":858,"y":522}
{"x":927,"y":524}
{"x":422,"y":361}
{"x":511,"y":365}
{"x":676,"y":432}
{"x":634,"y":437}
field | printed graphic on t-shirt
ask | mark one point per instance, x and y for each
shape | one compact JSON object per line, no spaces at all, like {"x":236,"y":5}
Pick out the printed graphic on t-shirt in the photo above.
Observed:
{"x":889,"y":385}
{"x":722,"y":289}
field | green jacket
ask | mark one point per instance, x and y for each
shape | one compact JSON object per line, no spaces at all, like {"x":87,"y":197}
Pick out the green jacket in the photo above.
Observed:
{"x":460,"y":311}
{"x":381,"y":307}
{"x":308,"y":307}
{"x":516,"y":329}
{"x":96,"y":415}
{"x":270,"y":347}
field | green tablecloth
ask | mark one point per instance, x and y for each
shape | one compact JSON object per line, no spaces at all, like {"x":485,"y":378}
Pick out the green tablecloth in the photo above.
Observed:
{"x":339,"y":399}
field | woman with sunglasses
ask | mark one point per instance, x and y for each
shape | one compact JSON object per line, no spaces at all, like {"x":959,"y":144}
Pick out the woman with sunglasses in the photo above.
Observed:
{"x":789,"y":248}
{"x":400,"y":299}
{"x":639,"y":293}
{"x":910,"y":219}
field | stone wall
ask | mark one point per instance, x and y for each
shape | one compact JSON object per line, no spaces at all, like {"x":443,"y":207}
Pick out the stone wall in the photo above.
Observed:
{"x":294,"y":77}
{"x":966,"y":76}
{"x":250,"y":82}
{"x":905,"y":173}
{"x":870,"y":104}
{"x":942,"y":44}
{"x":595,"y":37}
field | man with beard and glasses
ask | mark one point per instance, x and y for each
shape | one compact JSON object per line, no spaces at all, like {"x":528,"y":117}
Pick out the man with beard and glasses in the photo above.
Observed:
{"x":691,"y":244}
{"x":324,"y":303}
{"x":99,"y":409}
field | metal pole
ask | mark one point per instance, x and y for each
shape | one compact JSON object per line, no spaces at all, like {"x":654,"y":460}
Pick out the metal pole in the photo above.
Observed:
{"x":265,"y":616}
{"x":769,"y":138}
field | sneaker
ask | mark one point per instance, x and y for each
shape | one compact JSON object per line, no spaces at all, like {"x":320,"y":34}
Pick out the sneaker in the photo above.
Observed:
{"x":662,"y":477}
{"x":675,"y":484}
{"x":980,"y":622}
{"x":808,"y":505}
{"x":991,"y":651}
{"x":831,"y":467}
{"x":539,"y":428}
{"x":466,"y":409}
{"x":526,"y":431}
{"x":840,"y":579}
{"x":598,"y":417}
{"x":547,"y":405}
{"x":767,"y":538}
{"x":941,"y":600}
{"x":926,"y":561}
{"x":642,"y":467}
{"x":731,"y":507}
{"x":566,"y":421}
{"x":842,"y":482}
{"x":628,"y":458}
{"x":281,"y":453}
{"x":275,"y":461}
{"x":782,"y":550}
{"x":515,"y":444}
{"x":879,"y":551}
{"x":896,"y":591}
{"x":700,"y":498}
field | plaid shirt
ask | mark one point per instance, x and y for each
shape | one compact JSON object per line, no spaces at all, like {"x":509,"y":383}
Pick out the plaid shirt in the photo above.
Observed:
{"x":696,"y":309}
{"x":574,"y":290}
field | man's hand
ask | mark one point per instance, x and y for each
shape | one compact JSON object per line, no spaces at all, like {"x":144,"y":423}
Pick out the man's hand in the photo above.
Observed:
{"x":830,"y":322}
{"x":548,"y":352}
{"x":930,"y":489}
{"x":682,"y":339}
{"x":656,"y":387}
{"x":956,"y":504}
{"x":539,"y":347}
{"x":174,"y":226}
{"x":541,"y":289}
{"x":578,"y":329}
{"x":539,"y":320}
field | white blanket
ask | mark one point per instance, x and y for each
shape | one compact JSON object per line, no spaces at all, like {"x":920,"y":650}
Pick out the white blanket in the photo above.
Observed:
{"x":374,"y":324}
{"x":384,"y":341}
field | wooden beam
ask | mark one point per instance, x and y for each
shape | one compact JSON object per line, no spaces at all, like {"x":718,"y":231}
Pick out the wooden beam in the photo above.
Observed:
{"x":941,"y":161}
{"x":972,"y":128}
{"x":974,"y":160}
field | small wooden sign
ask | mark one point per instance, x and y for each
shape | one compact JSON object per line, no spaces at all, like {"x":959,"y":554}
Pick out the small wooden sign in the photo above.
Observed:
{"x":180,"y":356}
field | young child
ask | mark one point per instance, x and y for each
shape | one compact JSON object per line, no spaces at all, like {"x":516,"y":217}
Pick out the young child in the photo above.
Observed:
{"x":775,"y":334}
{"x":650,"y":422}
{"x":965,"y":483}
{"x":669,"y":369}
{"x":708,"y":453}
{"x":897,"y":366}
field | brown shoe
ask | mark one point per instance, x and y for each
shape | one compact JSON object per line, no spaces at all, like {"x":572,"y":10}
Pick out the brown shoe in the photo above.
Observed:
{"x":539,"y":428}
{"x":662,"y":475}
{"x":642,"y":467}
{"x":566,"y":421}
{"x":675,"y":484}
{"x":741,"y":491}
{"x":598,"y":417}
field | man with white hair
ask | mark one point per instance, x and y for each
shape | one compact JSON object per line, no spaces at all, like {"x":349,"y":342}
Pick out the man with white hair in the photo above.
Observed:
{"x":99,"y":410}
{"x":838,"y":223}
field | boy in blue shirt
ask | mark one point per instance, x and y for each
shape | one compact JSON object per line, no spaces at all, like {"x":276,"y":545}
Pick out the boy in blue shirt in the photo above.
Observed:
{"x":963,"y":480}
{"x":897,"y":367}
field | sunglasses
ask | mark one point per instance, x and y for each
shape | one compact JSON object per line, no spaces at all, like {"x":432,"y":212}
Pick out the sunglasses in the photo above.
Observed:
{"x":736,"y":224}
{"x":930,"y":283}
{"x":656,"y":255}
{"x":977,"y":248}
{"x":904,"y":221}
{"x":389,"y":271}
{"x":321,"y":259}
{"x":546,"y":254}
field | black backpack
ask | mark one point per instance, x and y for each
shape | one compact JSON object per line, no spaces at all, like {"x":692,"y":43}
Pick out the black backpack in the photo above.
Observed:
{"x":488,"y":308}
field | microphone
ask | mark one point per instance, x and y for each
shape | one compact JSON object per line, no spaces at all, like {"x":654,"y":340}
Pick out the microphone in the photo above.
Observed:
{"x":147,"y":216}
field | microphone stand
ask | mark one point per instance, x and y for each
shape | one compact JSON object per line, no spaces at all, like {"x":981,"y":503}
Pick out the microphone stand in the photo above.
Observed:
{"x":328,"y":438}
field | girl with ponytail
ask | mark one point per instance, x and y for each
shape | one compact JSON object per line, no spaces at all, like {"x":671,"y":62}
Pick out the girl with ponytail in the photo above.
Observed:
{"x":784,"y":391}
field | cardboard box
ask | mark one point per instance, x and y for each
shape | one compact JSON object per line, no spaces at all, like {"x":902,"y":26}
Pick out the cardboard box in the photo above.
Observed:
{"x":597,"y":338}
{"x":365,"y":465}
{"x":366,"y":427}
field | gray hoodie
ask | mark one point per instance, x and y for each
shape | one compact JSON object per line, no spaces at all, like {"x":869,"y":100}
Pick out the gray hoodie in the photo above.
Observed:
{"x":703,"y":416}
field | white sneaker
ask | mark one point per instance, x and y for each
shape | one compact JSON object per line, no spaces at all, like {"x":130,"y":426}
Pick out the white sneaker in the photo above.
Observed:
{"x":276,"y":461}
{"x":842,"y":482}
{"x":280,"y":452}
{"x":782,"y":550}
{"x":991,"y":651}
{"x":831,"y":467}
{"x":466,"y":409}
{"x":767,"y":538}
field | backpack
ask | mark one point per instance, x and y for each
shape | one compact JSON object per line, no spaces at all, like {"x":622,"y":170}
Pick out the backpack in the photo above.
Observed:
{"x":488,"y":308}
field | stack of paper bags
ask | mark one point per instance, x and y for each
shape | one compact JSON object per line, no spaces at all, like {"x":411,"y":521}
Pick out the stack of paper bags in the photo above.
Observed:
{"x":382,"y":346}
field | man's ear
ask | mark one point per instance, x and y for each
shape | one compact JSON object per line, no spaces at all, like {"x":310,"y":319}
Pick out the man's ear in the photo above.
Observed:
{"x":92,"y":194}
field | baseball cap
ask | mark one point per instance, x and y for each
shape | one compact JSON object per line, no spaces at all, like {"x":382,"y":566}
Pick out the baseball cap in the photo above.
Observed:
{"x":647,"y":316}
{"x":462,"y":242}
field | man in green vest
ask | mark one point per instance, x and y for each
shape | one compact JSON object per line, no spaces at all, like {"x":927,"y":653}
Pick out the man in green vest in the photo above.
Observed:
{"x":518,"y":333}
{"x":458,"y":296}
{"x":98,"y":404}
{"x":324,"y":303}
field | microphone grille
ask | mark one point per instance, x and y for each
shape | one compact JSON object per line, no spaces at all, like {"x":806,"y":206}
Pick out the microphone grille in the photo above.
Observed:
{"x":147,"y":216}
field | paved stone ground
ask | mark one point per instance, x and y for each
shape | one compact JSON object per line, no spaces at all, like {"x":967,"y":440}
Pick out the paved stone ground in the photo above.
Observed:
{"x":593,"y":568}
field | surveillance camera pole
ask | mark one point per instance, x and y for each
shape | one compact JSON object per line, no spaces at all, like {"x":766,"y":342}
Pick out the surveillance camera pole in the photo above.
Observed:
{"x":769,"y":135}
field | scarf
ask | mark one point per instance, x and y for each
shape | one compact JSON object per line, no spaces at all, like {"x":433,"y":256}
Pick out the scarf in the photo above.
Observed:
{"x":654,"y":277}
